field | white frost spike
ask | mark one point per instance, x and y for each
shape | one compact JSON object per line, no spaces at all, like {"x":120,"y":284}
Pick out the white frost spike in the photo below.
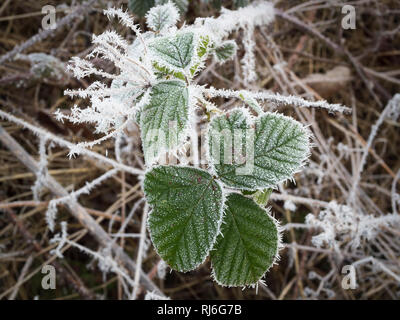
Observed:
{"x":289,"y":205}
{"x":249,"y":60}
{"x":394,"y":104}
{"x":274,"y":98}
{"x":161,"y":17}
{"x":255,"y":15}
{"x":41,"y":174}
{"x":162,"y":269}
{"x":73,"y":196}
{"x":154,"y":296}
{"x":123,"y":17}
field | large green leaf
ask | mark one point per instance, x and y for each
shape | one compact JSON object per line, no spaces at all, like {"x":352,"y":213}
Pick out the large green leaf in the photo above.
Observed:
{"x":164,"y":120}
{"x":175,"y":52}
{"x":248,"y":243}
{"x":265,"y":152}
{"x":186,"y":215}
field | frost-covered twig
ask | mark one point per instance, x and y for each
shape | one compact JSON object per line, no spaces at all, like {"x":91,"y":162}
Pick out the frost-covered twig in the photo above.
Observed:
{"x":106,"y":262}
{"x":140,"y":251}
{"x":231,"y":20}
{"x":42,"y":172}
{"x":341,"y":224}
{"x":73,"y":196}
{"x":380,"y":265}
{"x":64,"y":143}
{"x":395,"y":195}
{"x":275,"y":98}
{"x":392,"y":105}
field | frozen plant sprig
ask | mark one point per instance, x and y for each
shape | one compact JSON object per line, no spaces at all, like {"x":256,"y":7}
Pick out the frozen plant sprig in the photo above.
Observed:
{"x":218,"y":211}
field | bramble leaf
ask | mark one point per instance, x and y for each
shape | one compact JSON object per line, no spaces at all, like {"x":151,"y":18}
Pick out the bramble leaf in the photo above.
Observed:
{"x":262,"y":156}
{"x":182,"y":5}
{"x":225,"y":51}
{"x":162,"y":17}
{"x":164,"y":120}
{"x":140,"y":7}
{"x":186,"y":215}
{"x":204,"y":44}
{"x":261,"y":196}
{"x":163,"y":72}
{"x":174,"y":52}
{"x":248,"y":243}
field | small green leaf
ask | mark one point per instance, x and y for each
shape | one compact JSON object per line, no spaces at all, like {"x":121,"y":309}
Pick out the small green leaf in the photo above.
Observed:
{"x":140,"y":7}
{"x":182,"y":5}
{"x":186,"y":215}
{"x":174,"y":52}
{"x":250,"y":101}
{"x":248,"y":244}
{"x":164,"y":72}
{"x":262,"y":156}
{"x":261,"y":196}
{"x":162,"y":17}
{"x":204,"y":44}
{"x":164,"y":120}
{"x":225,"y":51}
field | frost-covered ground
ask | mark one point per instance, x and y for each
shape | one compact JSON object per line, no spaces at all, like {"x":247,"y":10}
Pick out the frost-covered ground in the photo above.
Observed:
{"x":72,"y":170}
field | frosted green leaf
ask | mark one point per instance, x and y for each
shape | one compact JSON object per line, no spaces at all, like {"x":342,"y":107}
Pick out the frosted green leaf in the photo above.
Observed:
{"x":162,"y":17}
{"x":251,"y":102}
{"x":140,"y":7}
{"x":204,"y":44}
{"x":164,"y":119}
{"x":261,"y":196}
{"x":174,"y":52}
{"x":225,"y":51}
{"x":182,"y":5}
{"x":163,"y":72}
{"x":248,"y":243}
{"x":186,"y":215}
{"x":270,"y":151}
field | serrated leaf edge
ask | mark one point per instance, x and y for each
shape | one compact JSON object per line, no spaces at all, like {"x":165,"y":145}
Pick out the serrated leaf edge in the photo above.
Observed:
{"x":219,"y":222}
{"x":253,"y":119}
{"x":208,"y":157}
{"x":219,"y":61}
{"x":185,"y":133}
{"x":276,"y":257}
{"x":163,"y":63}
